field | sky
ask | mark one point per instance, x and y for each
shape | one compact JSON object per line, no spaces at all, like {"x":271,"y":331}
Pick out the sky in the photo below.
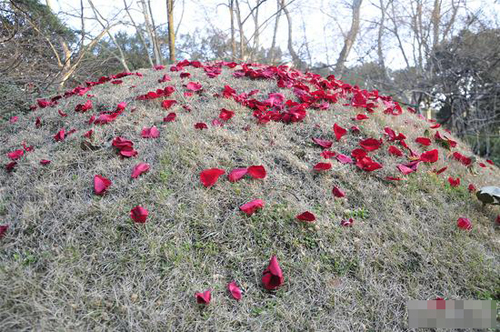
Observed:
{"x":324,"y":22}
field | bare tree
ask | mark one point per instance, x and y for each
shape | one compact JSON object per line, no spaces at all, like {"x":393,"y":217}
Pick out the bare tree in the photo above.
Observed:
{"x":295,"y":58}
{"x":151,"y":33}
{"x":139,"y":32}
{"x":272,"y":51}
{"x":350,"y":37}
{"x":99,"y":18}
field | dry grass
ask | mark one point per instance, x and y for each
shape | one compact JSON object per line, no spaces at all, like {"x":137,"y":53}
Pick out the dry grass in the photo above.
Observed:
{"x":74,"y":261}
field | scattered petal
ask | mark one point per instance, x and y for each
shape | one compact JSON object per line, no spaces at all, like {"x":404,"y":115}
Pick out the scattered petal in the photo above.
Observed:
{"x":454,"y":182}
{"x":328,"y":154}
{"x":323,"y":143}
{"x":370,"y":144}
{"x":60,"y":135}
{"x":464,"y":223}
{"x":14,"y":155}
{"x":322,"y":167}
{"x":272,"y":277}
{"x":201,"y":125}
{"x":306,"y":216}
{"x":430,"y":156}
{"x":210,"y":176}
{"x":170,"y":117}
{"x":166,"y":104}
{"x":236,"y":174}
{"x":101,"y":184}
{"x":203,"y":298}
{"x":337,"y":192}
{"x":423,"y":140}
{"x":395,"y":151}
{"x":226,"y":114}
{"x":347,"y":223}
{"x":257,"y":172}
{"x":234,"y":290}
{"x":339,"y":131}
{"x":139,"y":214}
{"x":45,"y":162}
{"x":139,"y":169}
{"x":152,"y":132}
{"x":3,"y":230}
{"x":344,"y":159}
{"x":250,"y":207}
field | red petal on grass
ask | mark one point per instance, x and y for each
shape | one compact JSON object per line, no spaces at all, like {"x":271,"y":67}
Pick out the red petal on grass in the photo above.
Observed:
{"x":339,"y":131}
{"x":322,"y":166}
{"x":367,"y":164}
{"x":152,"y":132}
{"x":170,"y":117}
{"x":236,"y":174}
{"x":405,"y":169}
{"x":61,"y":113}
{"x":201,"y":125}
{"x":234,"y":290}
{"x":226,"y":114}
{"x":60,"y":135}
{"x":370,"y":144}
{"x":482,"y":165}
{"x":306,"y":216}
{"x":395,"y":151}
{"x":210,"y":176}
{"x":498,"y":219}
{"x":14,"y":119}
{"x":203,"y":298}
{"x":166,"y":104}
{"x":14,"y":155}
{"x":490,"y":162}
{"x":257,"y":172}
{"x":139,"y":169}
{"x":194,"y":86}
{"x":250,"y":207}
{"x":323,"y":143}
{"x":165,"y":78}
{"x":430,"y":156}
{"x":3,"y":230}
{"x":272,"y":277}
{"x":358,"y":153}
{"x":344,"y":159}
{"x":328,"y":154}
{"x":437,"y":125}
{"x":38,"y":122}
{"x":45,"y":162}
{"x":347,"y":223}
{"x":185,"y":75}
{"x":454,"y":182}
{"x":439,"y":171}
{"x":88,"y":134}
{"x":101,"y":184}
{"x":128,"y":152}
{"x":464,"y":223}
{"x":217,"y":123}
{"x":10,"y":166}
{"x":472,"y":188}
{"x":360,"y":117}
{"x":337,"y":192}
{"x":392,"y":178}
{"x":423,"y":140}
{"x":139,"y":214}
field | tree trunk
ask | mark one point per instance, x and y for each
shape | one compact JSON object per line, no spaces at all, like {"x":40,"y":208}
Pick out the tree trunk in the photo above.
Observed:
{"x":240,"y":27}
{"x":273,"y":43}
{"x":233,"y":40}
{"x":256,"y":41}
{"x":139,"y":33}
{"x":350,"y":38}
{"x":295,"y":58}
{"x":150,"y":31}
{"x":436,"y":19}
{"x":380,"y":52}
{"x":171,"y":31}
{"x":155,"y":36}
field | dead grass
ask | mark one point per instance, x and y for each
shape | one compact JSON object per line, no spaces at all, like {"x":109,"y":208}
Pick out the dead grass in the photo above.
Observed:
{"x":74,"y":261}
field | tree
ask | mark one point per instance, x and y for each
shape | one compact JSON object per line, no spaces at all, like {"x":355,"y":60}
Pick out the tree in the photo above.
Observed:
{"x":350,"y":37}
{"x":171,"y":30}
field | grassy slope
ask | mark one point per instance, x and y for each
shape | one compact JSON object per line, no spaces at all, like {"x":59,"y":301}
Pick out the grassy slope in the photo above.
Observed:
{"x":73,"y":259}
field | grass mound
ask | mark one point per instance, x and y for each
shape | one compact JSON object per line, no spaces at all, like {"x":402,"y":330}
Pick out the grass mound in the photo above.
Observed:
{"x":76,"y":260}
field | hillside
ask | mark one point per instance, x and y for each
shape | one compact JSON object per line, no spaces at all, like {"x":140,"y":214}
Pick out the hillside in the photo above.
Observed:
{"x":73,"y":257}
